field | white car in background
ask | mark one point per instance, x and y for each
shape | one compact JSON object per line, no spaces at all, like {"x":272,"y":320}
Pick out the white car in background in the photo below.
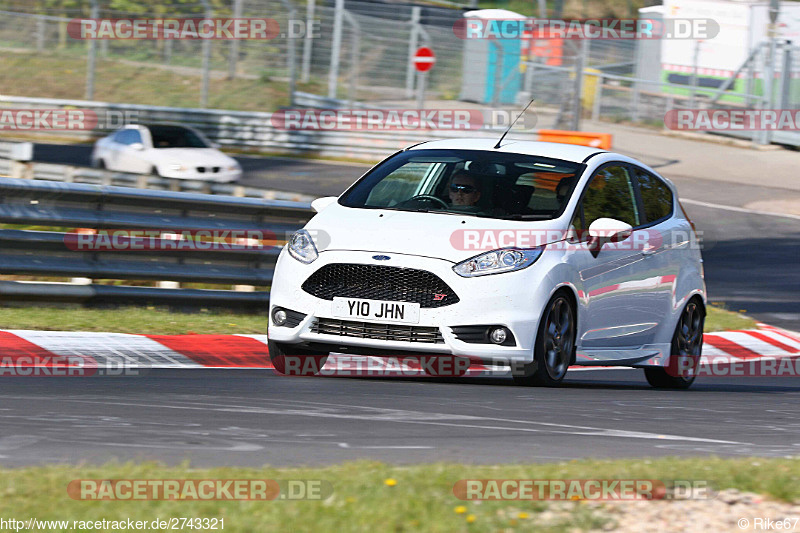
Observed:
{"x":166,"y":150}
{"x":564,"y":255}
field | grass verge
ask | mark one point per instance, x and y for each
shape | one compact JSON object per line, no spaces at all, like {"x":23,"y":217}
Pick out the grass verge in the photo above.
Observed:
{"x":146,"y":321}
{"x":62,"y":75}
{"x":369,"y":496}
{"x":719,"y":319}
{"x":150,"y":321}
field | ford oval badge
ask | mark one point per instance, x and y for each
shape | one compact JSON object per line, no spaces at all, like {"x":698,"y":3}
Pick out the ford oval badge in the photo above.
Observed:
{"x":381,"y":257}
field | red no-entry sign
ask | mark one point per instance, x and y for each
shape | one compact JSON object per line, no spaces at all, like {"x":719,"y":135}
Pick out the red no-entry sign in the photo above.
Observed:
{"x":424,"y":59}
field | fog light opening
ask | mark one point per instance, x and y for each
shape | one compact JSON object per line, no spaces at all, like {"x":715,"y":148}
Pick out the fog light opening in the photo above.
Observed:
{"x":498,"y":335}
{"x":279,"y":316}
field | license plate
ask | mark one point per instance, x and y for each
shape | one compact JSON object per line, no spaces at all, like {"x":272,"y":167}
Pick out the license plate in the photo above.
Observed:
{"x":376,"y":310}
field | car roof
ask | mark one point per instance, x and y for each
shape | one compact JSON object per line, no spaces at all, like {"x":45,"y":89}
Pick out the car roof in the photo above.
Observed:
{"x":566,"y":152}
{"x":156,"y":124}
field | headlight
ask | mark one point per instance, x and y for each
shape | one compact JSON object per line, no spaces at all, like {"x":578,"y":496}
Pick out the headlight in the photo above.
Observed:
{"x":498,"y":261}
{"x":302,"y":248}
{"x":234,"y":167}
{"x":177,"y":167}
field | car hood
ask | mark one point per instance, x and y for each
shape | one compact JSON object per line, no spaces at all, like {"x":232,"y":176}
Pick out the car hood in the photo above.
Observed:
{"x":196,"y":157}
{"x":442,"y":236}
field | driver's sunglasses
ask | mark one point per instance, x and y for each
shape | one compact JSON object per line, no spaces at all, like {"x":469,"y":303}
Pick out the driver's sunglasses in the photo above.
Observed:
{"x":466,"y":189}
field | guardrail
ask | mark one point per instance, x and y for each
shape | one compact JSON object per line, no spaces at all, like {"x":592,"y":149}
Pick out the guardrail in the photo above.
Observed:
{"x":16,"y":168}
{"x":98,"y":207}
{"x":247,"y":130}
{"x":16,"y":151}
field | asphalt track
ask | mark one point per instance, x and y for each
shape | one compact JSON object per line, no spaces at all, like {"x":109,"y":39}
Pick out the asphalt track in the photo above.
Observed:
{"x":254,"y":417}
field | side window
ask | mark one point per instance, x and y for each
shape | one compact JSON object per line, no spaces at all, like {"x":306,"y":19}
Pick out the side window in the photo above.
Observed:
{"x":656,"y":196}
{"x":610,"y":194}
{"x":128,"y":137}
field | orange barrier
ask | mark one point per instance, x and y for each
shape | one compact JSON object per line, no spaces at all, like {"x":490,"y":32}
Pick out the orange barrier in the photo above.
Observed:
{"x":584,"y":138}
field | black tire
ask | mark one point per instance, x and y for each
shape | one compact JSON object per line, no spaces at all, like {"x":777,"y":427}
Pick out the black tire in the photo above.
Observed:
{"x":99,"y":164}
{"x":300,"y":362}
{"x":154,"y":172}
{"x":554,"y":349}
{"x":687,"y":342}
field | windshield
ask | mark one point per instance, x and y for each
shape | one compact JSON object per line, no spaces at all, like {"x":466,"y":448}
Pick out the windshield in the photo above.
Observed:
{"x":176,"y":137}
{"x":472,"y":182}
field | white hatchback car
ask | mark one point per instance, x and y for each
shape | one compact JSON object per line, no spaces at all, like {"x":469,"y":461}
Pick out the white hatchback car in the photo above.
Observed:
{"x":535,"y":255}
{"x":166,"y":150}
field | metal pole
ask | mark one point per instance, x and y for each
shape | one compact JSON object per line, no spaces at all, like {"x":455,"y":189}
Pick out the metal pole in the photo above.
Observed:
{"x":786,"y":76}
{"x":693,"y":79}
{"x":751,"y":74}
{"x":308,"y":41}
{"x":92,"y":57}
{"x":769,"y":82}
{"x":579,"y":59}
{"x":206,"y":59}
{"x":542,"y":9}
{"x":333,"y":74}
{"x":413,"y":44}
{"x":498,"y":73}
{"x":233,"y":58}
{"x":598,"y":94}
{"x":291,"y":56}
{"x":354,"y":55}
{"x":40,"y":31}
{"x":421,"y":79}
{"x":760,"y":136}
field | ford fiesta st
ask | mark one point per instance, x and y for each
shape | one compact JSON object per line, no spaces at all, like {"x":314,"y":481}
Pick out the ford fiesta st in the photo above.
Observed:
{"x":539,"y":256}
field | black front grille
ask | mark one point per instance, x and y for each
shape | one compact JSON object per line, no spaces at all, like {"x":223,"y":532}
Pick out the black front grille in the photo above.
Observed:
{"x":383,"y":332}
{"x":377,"y":282}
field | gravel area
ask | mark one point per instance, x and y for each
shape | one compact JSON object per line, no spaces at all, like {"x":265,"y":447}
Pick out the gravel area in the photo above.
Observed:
{"x":728,"y":510}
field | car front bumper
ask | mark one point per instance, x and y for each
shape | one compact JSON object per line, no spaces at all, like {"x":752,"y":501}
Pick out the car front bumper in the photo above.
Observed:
{"x":514,"y":300}
{"x":223,"y":176}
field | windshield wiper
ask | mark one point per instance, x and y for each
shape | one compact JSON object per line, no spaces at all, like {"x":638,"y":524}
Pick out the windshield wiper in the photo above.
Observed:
{"x":526,"y":217}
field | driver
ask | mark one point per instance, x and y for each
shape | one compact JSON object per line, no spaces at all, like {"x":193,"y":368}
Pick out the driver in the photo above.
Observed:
{"x":464,"y":189}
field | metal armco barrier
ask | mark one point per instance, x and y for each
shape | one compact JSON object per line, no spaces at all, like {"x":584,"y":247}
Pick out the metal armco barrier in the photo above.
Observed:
{"x":16,"y":151}
{"x":18,"y":168}
{"x":247,"y":130}
{"x":72,"y":205}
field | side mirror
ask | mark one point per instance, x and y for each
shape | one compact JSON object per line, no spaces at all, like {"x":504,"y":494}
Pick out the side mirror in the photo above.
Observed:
{"x":137,"y":146}
{"x":609,"y":230}
{"x":321,"y":203}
